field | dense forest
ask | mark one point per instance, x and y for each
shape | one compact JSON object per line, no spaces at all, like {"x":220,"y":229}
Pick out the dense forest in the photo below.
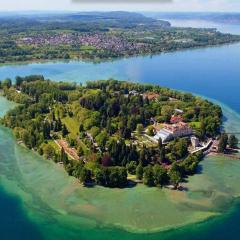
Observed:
{"x":102,"y":132}
{"x":96,"y":36}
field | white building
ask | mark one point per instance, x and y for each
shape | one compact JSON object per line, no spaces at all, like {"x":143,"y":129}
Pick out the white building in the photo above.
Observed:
{"x":169,"y":132}
{"x":164,"y":134}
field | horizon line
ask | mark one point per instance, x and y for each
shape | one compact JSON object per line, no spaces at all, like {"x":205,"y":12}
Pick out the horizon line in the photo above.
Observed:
{"x":106,"y":11}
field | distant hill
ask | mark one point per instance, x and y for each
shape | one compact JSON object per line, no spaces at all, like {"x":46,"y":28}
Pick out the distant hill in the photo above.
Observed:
{"x":115,"y":18}
{"x":230,"y":18}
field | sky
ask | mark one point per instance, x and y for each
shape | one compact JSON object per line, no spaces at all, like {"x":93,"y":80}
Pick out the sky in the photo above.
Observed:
{"x":128,"y":5}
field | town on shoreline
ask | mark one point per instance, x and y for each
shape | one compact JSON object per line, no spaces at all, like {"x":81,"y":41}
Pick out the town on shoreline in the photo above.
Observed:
{"x":97,"y":36}
{"x":115,"y":133}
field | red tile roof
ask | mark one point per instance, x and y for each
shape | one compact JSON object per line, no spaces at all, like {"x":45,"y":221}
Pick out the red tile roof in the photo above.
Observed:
{"x":176,"y":119}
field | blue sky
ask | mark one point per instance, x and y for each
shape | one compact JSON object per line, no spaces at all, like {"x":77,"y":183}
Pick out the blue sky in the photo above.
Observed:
{"x":146,"y":5}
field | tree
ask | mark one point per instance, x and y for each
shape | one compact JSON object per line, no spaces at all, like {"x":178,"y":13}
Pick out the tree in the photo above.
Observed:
{"x":7,"y":83}
{"x":131,"y":167}
{"x":140,"y":128}
{"x":122,"y":178}
{"x":150,"y":131}
{"x":223,"y":141}
{"x":58,"y":125}
{"x":100,"y":177}
{"x":148,"y":176}
{"x":102,"y":139}
{"x":85,"y":176}
{"x":143,"y":156}
{"x":49,"y":151}
{"x":160,"y":175}
{"x":53,"y":116}
{"x":113,"y":178}
{"x":166,"y":112}
{"x":160,"y":144}
{"x":64,"y":130}
{"x":106,"y":160}
{"x":94,"y":131}
{"x":40,"y":151}
{"x":117,"y":177}
{"x":233,"y":141}
{"x":161,"y":148}
{"x":81,"y":128}
{"x":80,"y":151}
{"x":132,"y":123}
{"x":178,"y":149}
{"x":110,"y":128}
{"x":63,"y":157}
{"x":201,"y":132}
{"x":46,"y":130}
{"x":26,"y":137}
{"x":174,"y":175}
{"x":139,"y":172}
{"x":19,"y":81}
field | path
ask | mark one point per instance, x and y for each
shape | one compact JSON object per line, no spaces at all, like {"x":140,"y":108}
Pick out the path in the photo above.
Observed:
{"x":71,"y":152}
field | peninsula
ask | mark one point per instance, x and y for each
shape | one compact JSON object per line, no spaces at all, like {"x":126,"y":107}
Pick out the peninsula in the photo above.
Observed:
{"x":114,"y":133}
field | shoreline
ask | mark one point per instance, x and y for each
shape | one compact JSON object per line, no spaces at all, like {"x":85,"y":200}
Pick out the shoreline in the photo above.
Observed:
{"x":195,"y":157}
{"x":164,"y":229}
{"x":105,"y":60}
{"x":203,"y":221}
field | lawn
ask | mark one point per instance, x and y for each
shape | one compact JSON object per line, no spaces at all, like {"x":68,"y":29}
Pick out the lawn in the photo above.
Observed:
{"x":195,"y":124}
{"x":72,"y":125}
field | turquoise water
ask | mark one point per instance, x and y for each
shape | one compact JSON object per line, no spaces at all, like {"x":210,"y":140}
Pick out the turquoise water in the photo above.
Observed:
{"x":39,"y":201}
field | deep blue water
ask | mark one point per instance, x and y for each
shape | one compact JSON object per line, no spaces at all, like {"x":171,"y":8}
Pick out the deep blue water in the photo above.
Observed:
{"x":14,"y":223}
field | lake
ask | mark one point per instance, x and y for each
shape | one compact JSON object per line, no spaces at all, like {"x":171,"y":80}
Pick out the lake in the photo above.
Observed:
{"x":39,"y":201}
{"x":200,"y":71}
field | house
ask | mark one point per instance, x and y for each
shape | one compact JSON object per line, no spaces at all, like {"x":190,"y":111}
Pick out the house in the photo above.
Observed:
{"x":195,"y":142}
{"x":151,"y":96}
{"x":171,"y":131}
{"x":176,"y":119}
{"x":178,"y":111}
{"x":180,"y":129}
{"x":164,"y":134}
{"x":215,"y":147}
{"x":133,"y":92}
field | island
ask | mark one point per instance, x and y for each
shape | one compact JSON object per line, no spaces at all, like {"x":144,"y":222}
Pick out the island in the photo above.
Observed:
{"x":115,"y":133}
{"x":96,"y":36}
